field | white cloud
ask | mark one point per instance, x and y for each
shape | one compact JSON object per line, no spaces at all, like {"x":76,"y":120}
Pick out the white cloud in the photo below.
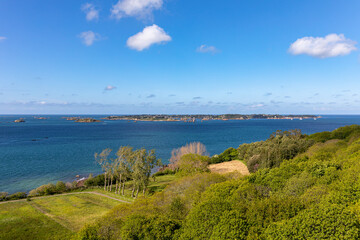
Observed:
{"x":149,"y":36}
{"x":89,"y":37}
{"x":135,"y":8}
{"x":207,"y":49}
{"x":2,"y":38}
{"x":258,"y":105}
{"x":90,"y":11}
{"x":109,"y":88}
{"x":331,"y":45}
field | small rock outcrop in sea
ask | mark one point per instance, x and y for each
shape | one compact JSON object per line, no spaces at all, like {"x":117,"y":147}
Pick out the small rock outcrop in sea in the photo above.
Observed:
{"x":20,"y":120}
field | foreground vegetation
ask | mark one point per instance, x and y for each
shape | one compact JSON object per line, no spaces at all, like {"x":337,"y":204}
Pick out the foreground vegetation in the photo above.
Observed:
{"x":312,"y":194}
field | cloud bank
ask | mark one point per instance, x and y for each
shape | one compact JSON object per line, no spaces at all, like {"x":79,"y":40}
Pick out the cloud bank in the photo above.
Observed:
{"x":2,"y":38}
{"x":149,"y":36}
{"x":331,"y":45}
{"x":135,"y":8}
{"x":89,"y":37}
{"x":90,"y":11}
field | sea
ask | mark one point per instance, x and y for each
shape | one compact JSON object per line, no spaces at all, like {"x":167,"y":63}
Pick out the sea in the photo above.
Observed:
{"x":39,"y":151}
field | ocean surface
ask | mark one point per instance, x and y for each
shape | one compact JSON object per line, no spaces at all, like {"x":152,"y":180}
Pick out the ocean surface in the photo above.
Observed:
{"x":41,"y":151}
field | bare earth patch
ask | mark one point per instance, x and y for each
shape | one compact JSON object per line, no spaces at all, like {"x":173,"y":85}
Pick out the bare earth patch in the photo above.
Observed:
{"x":227,"y":167}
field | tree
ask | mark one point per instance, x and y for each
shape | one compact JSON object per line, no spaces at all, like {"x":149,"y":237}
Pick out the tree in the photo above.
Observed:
{"x":122,"y":168}
{"x":192,"y":163}
{"x":194,"y":147}
{"x":102,"y":160}
{"x":143,"y":161}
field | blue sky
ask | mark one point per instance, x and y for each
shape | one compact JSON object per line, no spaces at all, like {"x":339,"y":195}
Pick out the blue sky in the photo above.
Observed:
{"x":172,"y":56}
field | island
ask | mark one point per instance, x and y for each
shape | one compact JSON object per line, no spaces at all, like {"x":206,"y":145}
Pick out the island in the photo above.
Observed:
{"x":81,"y":120}
{"x":87,"y":120}
{"x":206,"y":117}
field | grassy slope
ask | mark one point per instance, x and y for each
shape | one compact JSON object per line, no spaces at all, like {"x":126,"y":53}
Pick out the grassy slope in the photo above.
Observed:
{"x":58,"y":216}
{"x":55,"y":217}
{"x":22,"y":221}
{"x":72,"y":211}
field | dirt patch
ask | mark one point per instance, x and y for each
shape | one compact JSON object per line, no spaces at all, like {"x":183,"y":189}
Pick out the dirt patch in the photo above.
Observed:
{"x":227,"y":167}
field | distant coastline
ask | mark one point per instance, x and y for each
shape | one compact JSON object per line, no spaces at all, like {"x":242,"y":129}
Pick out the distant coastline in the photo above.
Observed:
{"x":206,"y":117}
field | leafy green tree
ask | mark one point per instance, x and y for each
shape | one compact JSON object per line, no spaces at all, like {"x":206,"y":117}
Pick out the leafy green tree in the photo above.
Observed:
{"x":60,"y":187}
{"x":322,"y":222}
{"x":232,"y":225}
{"x":143,"y":162}
{"x":103,"y":161}
{"x":149,"y":228}
{"x":192,"y":163}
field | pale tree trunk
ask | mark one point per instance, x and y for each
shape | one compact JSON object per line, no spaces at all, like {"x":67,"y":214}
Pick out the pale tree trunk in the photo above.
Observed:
{"x":119,"y":185}
{"x":105,"y":182}
{"x":123,"y":190}
{"x":108,"y":186}
{"x":111,"y":183}
{"x":144,"y":189}
{"x":116,"y":186}
{"x":137,"y":191}
{"x":133,"y":190}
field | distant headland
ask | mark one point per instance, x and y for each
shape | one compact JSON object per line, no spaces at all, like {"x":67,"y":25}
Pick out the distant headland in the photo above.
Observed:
{"x":206,"y":117}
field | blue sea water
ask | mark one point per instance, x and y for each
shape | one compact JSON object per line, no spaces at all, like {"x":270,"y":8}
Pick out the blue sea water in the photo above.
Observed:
{"x":40,"y":151}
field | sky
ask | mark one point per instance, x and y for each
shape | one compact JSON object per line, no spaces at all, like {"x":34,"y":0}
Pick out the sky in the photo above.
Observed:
{"x":179,"y":57}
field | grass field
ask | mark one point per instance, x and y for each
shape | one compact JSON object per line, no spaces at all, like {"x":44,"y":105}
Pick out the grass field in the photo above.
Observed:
{"x":55,"y":217}
{"x":19,"y":220}
{"x":60,"y":216}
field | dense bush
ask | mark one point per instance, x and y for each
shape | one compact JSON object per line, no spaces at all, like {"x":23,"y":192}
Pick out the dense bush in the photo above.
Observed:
{"x":343,"y":133}
{"x":49,"y":189}
{"x":95,"y":181}
{"x":322,"y":222}
{"x":282,"y":145}
{"x":3,"y":196}
{"x":166,"y":171}
{"x":15,"y":196}
{"x":192,"y":163}
{"x":228,"y":155}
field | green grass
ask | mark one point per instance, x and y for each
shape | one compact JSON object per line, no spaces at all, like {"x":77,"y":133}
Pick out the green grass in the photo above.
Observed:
{"x":60,"y":216}
{"x":19,"y":220}
{"x":72,"y":211}
{"x":161,"y":182}
{"x":53,"y":217}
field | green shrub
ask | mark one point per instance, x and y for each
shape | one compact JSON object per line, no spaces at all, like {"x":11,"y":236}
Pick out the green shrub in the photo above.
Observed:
{"x":95,"y":181}
{"x":48,"y":189}
{"x":228,"y":155}
{"x":61,"y":187}
{"x":166,"y":171}
{"x":89,"y":232}
{"x":323,"y":222}
{"x":3,"y":196}
{"x":193,"y":163}
{"x":144,"y":227}
{"x":282,"y":145}
{"x":15,"y":196}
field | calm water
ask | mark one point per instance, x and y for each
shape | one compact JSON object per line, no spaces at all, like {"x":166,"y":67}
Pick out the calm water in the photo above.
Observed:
{"x":41,"y":151}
